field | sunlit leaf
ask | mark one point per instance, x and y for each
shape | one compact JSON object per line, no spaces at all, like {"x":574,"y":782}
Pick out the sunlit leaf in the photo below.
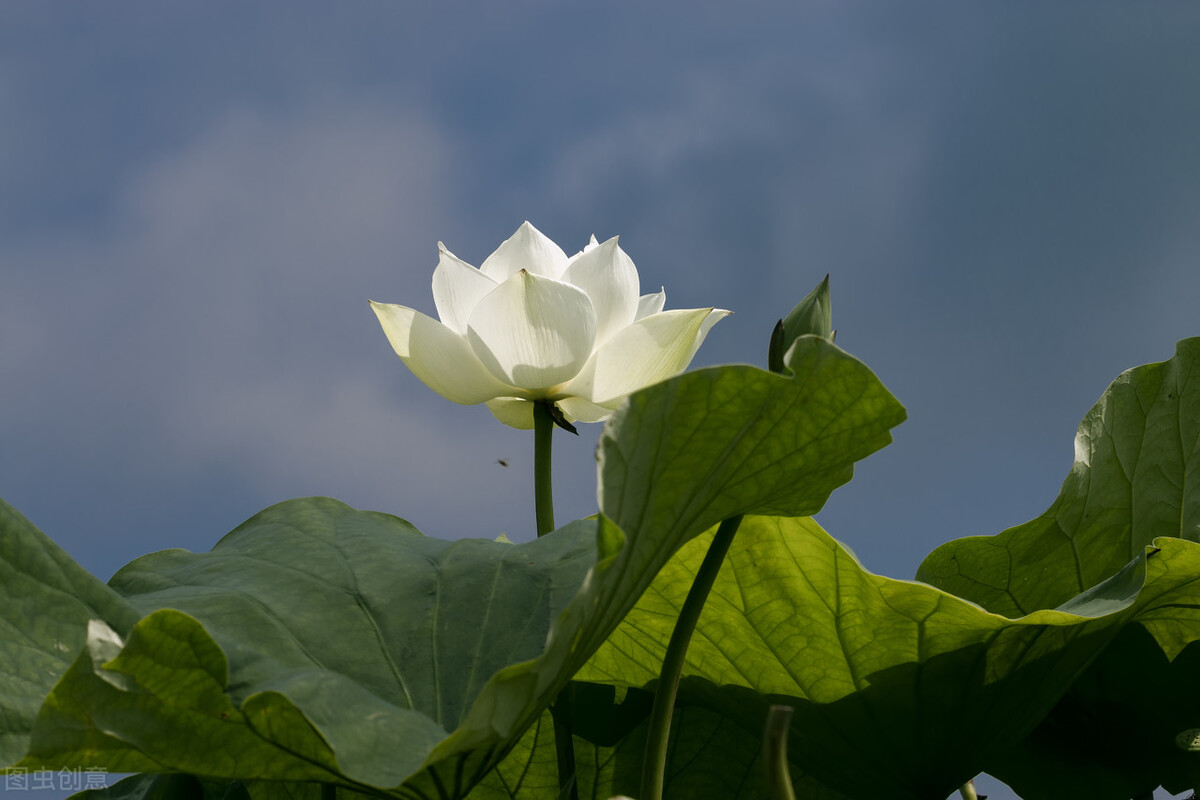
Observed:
{"x":895,"y":684}
{"x":1136,"y":477}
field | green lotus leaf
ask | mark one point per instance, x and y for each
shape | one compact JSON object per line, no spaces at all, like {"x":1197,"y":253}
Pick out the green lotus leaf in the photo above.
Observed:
{"x":1136,"y":477}
{"x":1113,"y":735}
{"x":1116,"y":732}
{"x":711,"y":758}
{"x":896,"y":685}
{"x":314,"y":643}
{"x":178,"y":786}
{"x":313,"y":617}
{"x":155,"y":787}
{"x":46,"y":600}
{"x":685,"y":454}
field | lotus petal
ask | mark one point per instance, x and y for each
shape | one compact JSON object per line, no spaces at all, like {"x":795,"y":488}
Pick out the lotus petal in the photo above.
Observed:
{"x":533,"y":332}
{"x":610,"y":279}
{"x":528,"y":249}
{"x":437,"y":355}
{"x":457,"y":289}
{"x":648,"y":351}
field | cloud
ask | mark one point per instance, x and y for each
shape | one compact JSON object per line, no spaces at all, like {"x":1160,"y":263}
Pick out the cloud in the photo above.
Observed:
{"x":748,"y":181}
{"x":224,"y":321}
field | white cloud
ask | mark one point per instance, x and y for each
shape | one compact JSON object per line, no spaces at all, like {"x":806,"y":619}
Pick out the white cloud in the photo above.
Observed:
{"x":223,"y":321}
{"x":281,"y":209}
{"x":220,"y":327}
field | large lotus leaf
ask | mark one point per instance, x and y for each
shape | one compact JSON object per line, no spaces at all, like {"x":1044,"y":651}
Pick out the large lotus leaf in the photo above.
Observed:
{"x":1115,"y":731}
{"x":178,"y":786}
{"x":688,"y":453}
{"x":325,"y":616}
{"x":158,"y":702}
{"x":1112,"y":736}
{"x":711,"y":757}
{"x":167,"y":787}
{"x":683,"y":454}
{"x":1136,"y":477}
{"x":46,"y":600}
{"x":725,"y":441}
{"x":898,"y":688}
{"x":315,"y":642}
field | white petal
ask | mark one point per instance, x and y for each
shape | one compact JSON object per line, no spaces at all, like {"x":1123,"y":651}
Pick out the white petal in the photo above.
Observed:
{"x":533,"y":332}
{"x":576,"y":409}
{"x":648,"y":351}
{"x":610,"y":279}
{"x":441,"y":358}
{"x":527,"y":249}
{"x":457,"y":289}
{"x":651,"y":304}
{"x":513,"y":412}
{"x":714,"y":316}
{"x":591,"y":245}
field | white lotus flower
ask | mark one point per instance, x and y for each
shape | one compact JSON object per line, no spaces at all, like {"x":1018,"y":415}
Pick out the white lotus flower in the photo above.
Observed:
{"x":531,"y":324}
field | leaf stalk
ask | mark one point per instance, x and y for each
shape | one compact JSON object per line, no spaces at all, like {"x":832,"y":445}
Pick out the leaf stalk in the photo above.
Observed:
{"x":779,"y":778}
{"x":654,"y":765}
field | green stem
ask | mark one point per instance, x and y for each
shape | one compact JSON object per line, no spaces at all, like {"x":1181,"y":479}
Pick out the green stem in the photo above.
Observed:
{"x":655,"y":764}
{"x":968,"y":791}
{"x":564,"y":748}
{"x":543,"y":500}
{"x":779,"y":778}
{"x":543,"y":489}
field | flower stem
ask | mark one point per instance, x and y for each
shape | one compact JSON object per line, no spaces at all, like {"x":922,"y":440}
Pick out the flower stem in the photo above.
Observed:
{"x":654,"y":765}
{"x":543,"y":499}
{"x":543,"y":489}
{"x":968,"y":791}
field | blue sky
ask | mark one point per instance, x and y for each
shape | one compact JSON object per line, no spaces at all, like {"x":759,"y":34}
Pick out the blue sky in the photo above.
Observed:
{"x":197,"y":200}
